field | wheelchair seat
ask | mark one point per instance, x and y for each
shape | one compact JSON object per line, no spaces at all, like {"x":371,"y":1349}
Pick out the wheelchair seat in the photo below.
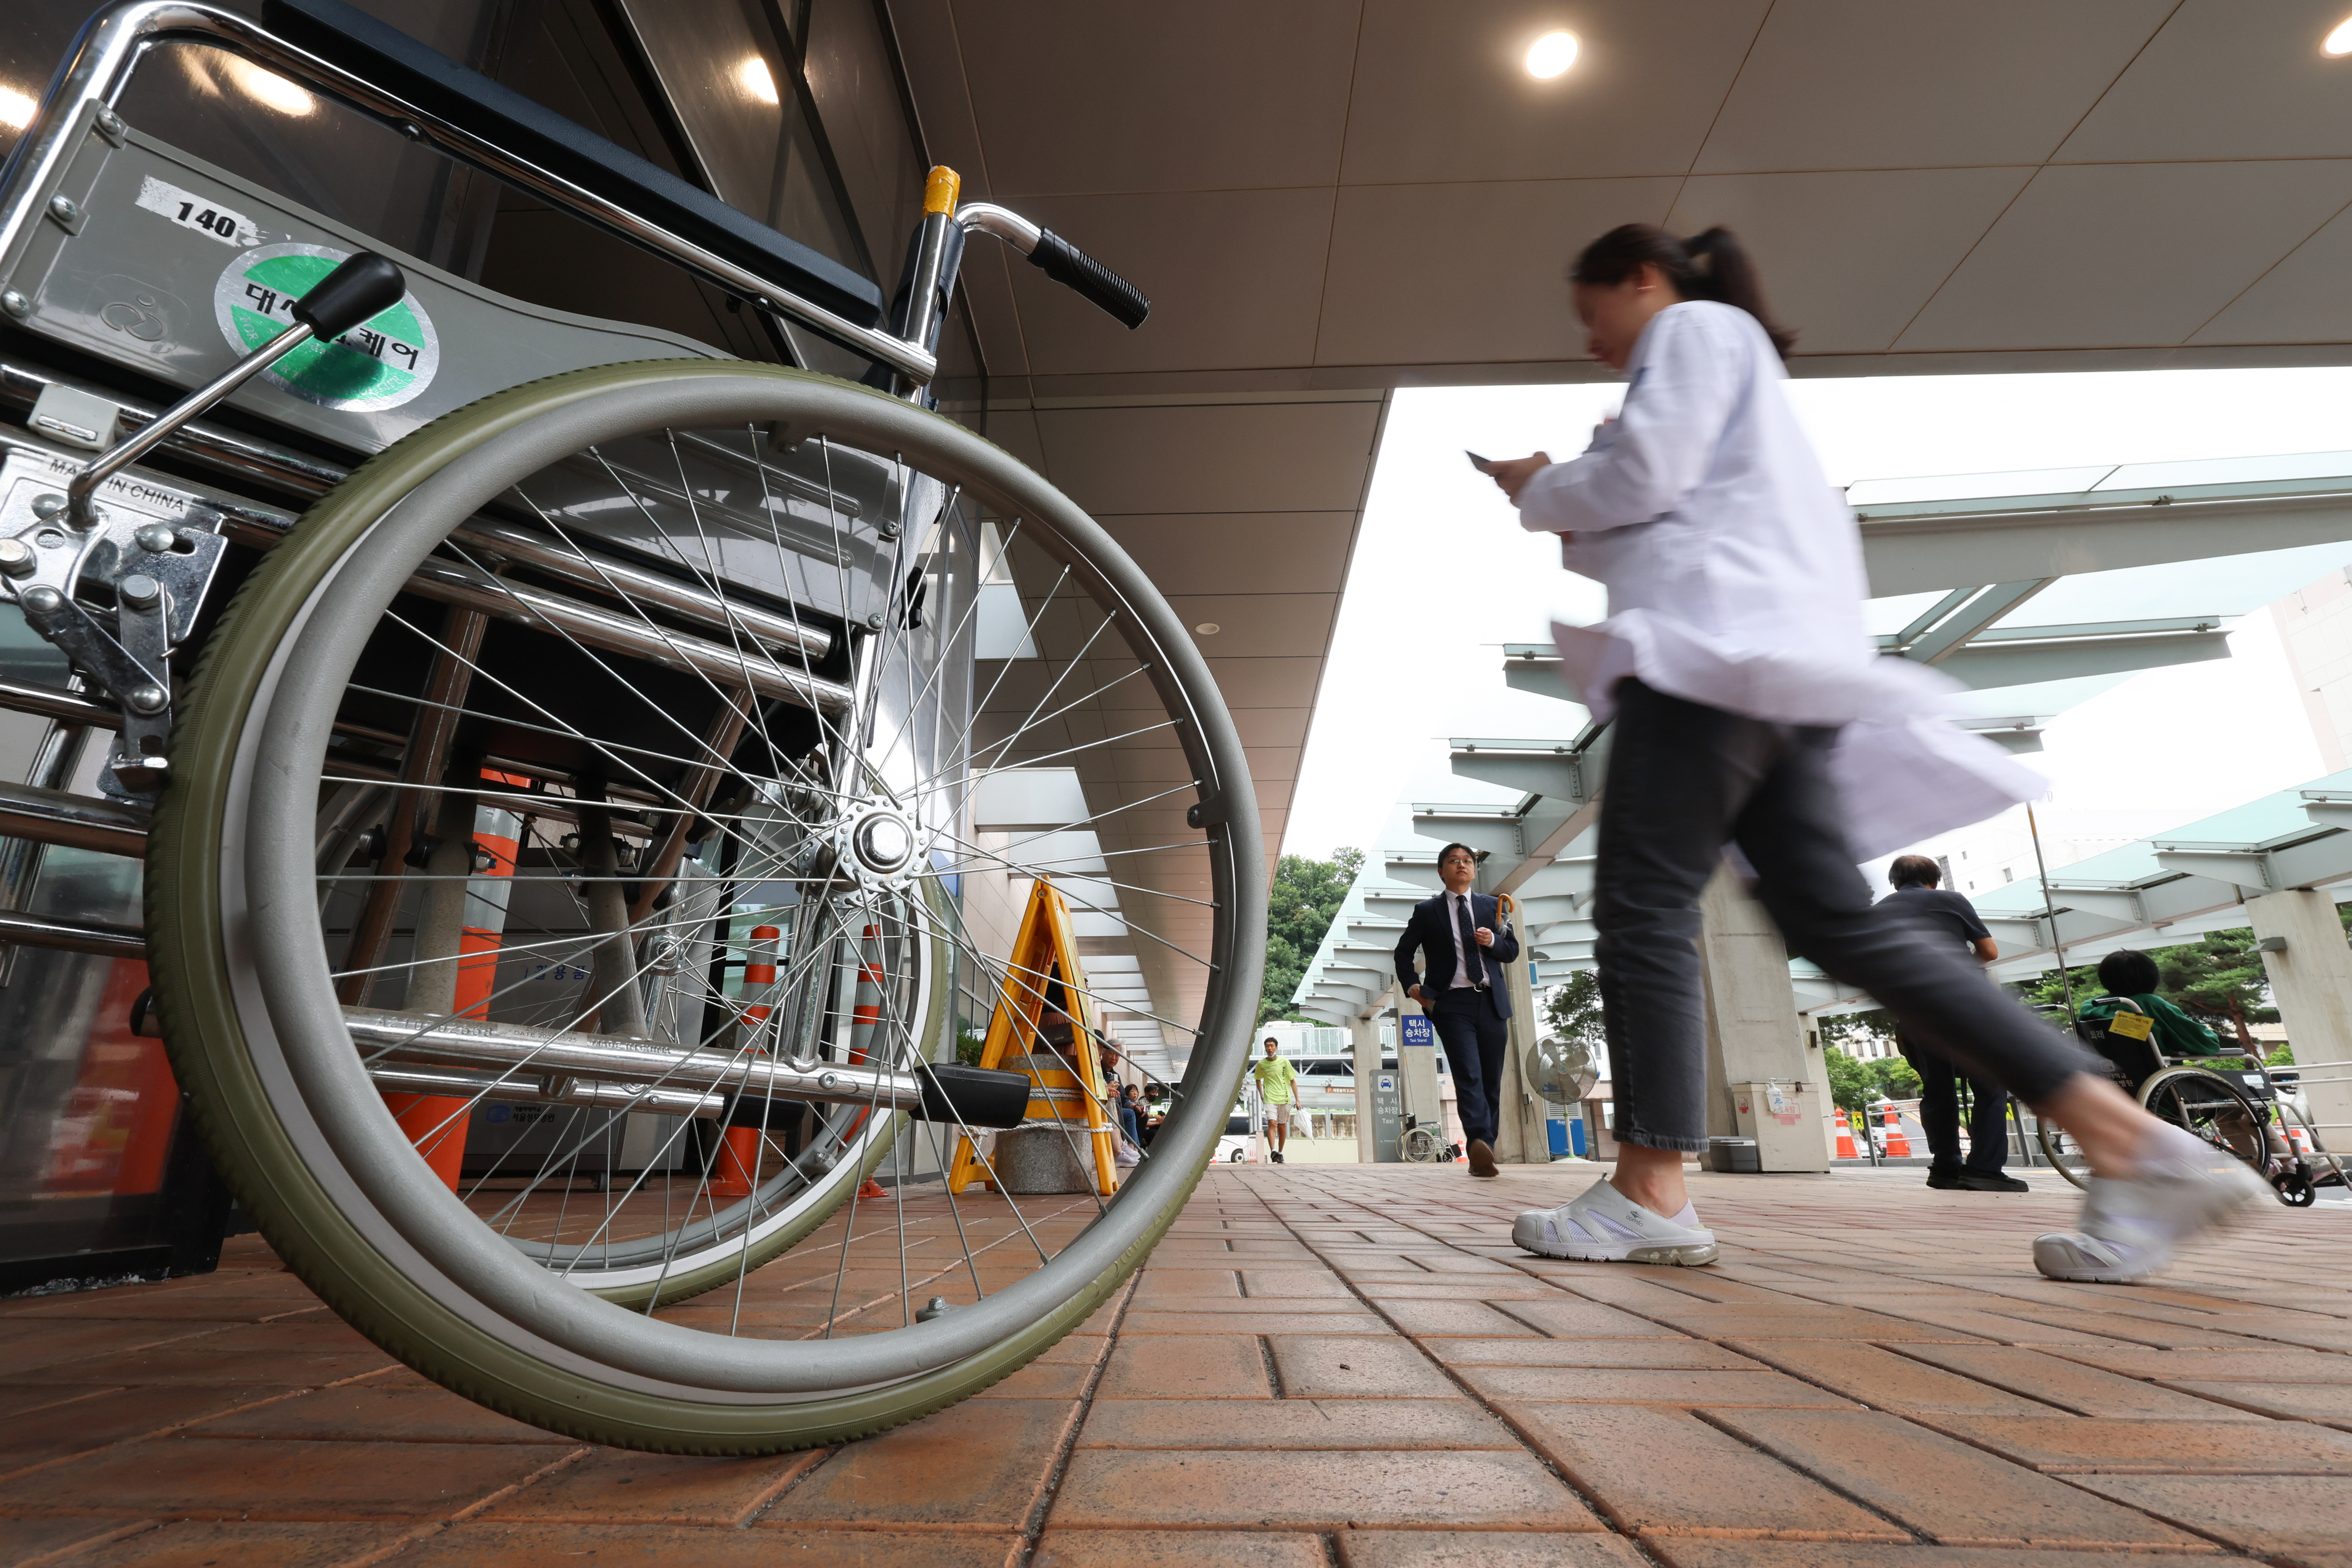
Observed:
{"x":358,"y":43}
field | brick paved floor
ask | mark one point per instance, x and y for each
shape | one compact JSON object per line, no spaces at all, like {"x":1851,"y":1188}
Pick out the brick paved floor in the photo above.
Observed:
{"x":1322,"y":1364}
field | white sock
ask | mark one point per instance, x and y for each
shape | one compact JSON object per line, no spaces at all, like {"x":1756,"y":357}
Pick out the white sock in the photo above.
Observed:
{"x":1689,"y":1217}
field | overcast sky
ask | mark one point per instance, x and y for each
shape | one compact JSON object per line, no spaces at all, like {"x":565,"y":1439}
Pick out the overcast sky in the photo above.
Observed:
{"x":1442,"y":576}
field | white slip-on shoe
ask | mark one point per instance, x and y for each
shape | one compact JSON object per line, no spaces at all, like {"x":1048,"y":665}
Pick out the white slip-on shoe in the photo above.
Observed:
{"x":2131,"y":1226}
{"x":1602,"y":1225}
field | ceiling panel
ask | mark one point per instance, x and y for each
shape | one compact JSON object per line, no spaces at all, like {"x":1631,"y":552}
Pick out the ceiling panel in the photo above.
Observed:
{"x":1268,"y":682}
{"x":1213,"y":302}
{"x":2100,"y":255}
{"x":1441,"y":93}
{"x":1284,"y":553}
{"x":1079,"y":95}
{"x":1848,"y":259}
{"x":1441,"y":274}
{"x":2303,"y":299}
{"x":1211,"y":457}
{"x":2227,"y":78}
{"x":1258,"y":625}
{"x":1892,"y":84}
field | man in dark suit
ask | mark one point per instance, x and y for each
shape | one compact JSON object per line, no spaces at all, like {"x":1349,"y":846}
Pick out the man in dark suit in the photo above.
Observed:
{"x":1461,"y":988}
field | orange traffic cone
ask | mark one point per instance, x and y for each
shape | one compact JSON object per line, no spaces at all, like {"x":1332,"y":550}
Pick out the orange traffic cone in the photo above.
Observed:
{"x":739,"y":1156}
{"x":1899,"y":1147}
{"x":873,"y":1190}
{"x":437,"y":1124}
{"x":1845,"y":1139}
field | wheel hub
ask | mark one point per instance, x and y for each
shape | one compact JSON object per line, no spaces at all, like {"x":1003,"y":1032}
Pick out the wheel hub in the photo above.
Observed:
{"x":874,"y":845}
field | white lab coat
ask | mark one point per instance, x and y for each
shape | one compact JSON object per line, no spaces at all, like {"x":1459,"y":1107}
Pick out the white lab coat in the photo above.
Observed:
{"x":1735,"y":579}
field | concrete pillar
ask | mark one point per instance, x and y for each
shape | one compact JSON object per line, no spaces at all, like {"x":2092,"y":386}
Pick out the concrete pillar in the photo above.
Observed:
{"x":1753,"y":1034}
{"x":2311,"y":980}
{"x":1364,"y":1034}
{"x":1524,"y":1138}
{"x":1817,"y":1073}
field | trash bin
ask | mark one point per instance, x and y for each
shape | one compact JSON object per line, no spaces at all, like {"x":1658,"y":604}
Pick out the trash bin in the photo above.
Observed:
{"x":1733,"y":1155}
{"x":1784,"y":1118}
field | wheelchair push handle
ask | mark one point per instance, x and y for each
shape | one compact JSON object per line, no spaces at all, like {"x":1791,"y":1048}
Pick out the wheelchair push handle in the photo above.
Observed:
{"x":359,"y":289}
{"x":1059,"y":259}
{"x":1066,"y":265}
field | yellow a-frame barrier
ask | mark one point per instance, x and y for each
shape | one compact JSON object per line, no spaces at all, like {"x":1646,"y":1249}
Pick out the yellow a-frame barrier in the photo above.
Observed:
{"x":1045,"y":950}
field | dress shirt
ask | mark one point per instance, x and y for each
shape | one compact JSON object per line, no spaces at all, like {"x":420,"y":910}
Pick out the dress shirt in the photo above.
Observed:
{"x":1735,"y":577}
{"x":1463,"y":968}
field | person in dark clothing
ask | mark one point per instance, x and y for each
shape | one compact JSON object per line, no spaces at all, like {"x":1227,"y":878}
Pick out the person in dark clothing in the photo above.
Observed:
{"x":1953,"y":918}
{"x":1464,"y":992}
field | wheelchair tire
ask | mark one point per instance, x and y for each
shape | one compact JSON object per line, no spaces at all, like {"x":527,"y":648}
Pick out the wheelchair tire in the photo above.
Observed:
{"x":260,"y":1039}
{"x":2065,"y":1158}
{"x":2205,"y":1103}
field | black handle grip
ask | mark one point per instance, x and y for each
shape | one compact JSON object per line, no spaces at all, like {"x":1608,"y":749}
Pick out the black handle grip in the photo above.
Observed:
{"x":1066,"y":264}
{"x":362,"y":287}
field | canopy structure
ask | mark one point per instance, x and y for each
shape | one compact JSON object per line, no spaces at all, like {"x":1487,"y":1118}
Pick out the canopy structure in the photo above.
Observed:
{"x":1956,"y":571}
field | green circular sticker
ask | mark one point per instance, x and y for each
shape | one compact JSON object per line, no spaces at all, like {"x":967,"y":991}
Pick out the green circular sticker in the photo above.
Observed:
{"x":379,"y":365}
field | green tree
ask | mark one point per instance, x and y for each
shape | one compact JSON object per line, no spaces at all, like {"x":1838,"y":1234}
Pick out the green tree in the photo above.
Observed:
{"x":1305,"y":894}
{"x":1572,"y":1011}
{"x":1850,"y":1084}
{"x":1849,"y":1031}
{"x":1892,"y":1078}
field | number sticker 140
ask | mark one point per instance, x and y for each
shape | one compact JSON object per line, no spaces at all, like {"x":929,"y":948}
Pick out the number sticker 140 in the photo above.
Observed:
{"x":192,"y":211}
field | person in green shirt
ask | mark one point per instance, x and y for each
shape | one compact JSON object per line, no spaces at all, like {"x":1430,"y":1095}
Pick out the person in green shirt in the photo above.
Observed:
{"x":2133,"y":975}
{"x":2128,"y":974}
{"x":1274,"y":1079}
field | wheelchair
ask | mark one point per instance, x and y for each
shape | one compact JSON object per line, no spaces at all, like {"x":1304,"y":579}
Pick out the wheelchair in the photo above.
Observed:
{"x":2231,"y":1101}
{"x":552,"y":748}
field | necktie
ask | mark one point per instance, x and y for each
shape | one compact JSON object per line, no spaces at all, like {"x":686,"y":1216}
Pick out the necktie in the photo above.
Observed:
{"x":1476,"y":971}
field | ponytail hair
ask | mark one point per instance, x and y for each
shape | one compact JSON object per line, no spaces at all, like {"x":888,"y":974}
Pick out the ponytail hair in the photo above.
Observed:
{"x":1709,"y":265}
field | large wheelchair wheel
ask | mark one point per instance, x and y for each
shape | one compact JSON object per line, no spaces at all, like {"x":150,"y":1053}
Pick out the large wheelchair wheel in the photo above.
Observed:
{"x":619,"y":724}
{"x":2211,"y":1107}
{"x":2065,"y":1156}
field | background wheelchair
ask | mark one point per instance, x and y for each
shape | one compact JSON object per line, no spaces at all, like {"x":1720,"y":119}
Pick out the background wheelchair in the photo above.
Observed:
{"x":552,"y":747}
{"x":2231,"y":1101}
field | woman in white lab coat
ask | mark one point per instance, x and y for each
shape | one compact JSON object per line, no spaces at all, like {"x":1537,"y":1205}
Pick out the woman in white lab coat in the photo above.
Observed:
{"x":1750,"y":709}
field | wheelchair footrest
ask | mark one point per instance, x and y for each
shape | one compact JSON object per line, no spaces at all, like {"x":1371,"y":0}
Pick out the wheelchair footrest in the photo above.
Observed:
{"x":974,"y":1096}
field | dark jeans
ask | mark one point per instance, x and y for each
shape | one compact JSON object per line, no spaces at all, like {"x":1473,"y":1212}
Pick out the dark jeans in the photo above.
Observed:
{"x":1683,"y":781}
{"x":1475,"y":1037}
{"x":1939,"y":1114}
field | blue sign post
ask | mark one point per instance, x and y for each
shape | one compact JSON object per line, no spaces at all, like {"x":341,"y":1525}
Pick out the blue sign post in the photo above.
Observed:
{"x":1416,"y":1029}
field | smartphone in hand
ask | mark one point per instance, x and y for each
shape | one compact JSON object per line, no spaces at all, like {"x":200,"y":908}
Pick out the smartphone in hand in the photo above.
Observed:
{"x":1483,"y":465}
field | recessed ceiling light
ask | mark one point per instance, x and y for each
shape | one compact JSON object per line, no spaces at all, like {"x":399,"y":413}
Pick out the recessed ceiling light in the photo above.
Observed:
{"x":2339,"y":42}
{"x":15,"y":108}
{"x":1208,"y":628}
{"x":1553,"y":53}
{"x":757,"y":79}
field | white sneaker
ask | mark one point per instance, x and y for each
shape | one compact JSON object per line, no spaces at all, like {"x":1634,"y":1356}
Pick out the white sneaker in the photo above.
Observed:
{"x":2131,"y":1226}
{"x":1603,"y":1225}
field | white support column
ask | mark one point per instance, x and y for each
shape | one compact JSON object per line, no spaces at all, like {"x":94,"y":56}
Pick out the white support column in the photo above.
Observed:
{"x":1364,"y":1034}
{"x":1752,"y":1028}
{"x":1524,"y":1138}
{"x":2311,"y":980}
